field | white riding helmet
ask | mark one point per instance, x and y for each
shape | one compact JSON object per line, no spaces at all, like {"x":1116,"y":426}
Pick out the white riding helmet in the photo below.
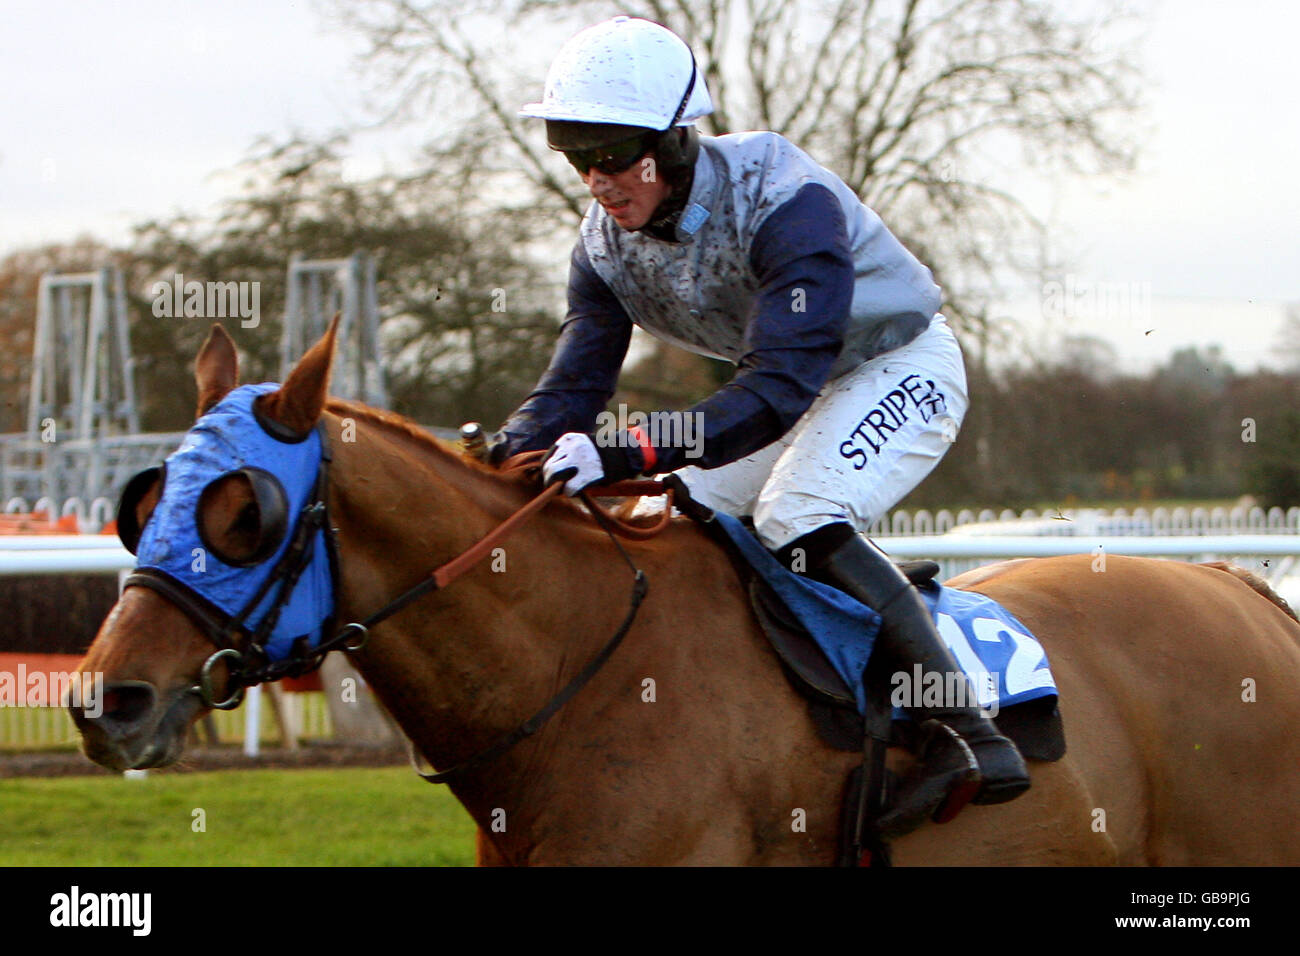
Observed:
{"x":625,"y":71}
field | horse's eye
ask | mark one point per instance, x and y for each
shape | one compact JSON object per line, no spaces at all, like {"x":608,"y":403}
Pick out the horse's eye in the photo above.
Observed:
{"x":249,"y":520}
{"x":242,"y":516}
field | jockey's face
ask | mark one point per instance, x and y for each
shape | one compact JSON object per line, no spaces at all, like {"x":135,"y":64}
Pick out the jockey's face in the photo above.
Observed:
{"x":632,"y":196}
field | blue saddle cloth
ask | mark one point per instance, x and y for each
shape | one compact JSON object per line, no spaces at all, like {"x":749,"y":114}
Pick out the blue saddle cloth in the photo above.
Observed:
{"x":1005,"y":662}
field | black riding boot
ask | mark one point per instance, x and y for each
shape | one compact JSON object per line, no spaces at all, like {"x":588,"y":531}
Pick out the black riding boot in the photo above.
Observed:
{"x":963,"y":757}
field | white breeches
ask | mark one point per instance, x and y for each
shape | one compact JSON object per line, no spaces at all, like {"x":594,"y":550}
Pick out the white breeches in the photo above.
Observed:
{"x":869,"y":438}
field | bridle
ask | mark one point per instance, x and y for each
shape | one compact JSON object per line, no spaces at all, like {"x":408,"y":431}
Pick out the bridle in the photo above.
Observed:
{"x":252,"y":665}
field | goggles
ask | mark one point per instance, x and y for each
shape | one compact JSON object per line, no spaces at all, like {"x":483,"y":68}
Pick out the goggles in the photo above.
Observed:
{"x":614,"y":158}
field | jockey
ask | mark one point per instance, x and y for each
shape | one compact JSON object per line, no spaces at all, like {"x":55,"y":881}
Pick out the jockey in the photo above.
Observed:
{"x":849,"y":385}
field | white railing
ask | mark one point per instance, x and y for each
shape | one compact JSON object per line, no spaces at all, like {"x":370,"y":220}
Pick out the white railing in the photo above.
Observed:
{"x":1072,"y":522}
{"x":1273,"y":556}
{"x":18,"y":561}
{"x":1239,"y":519}
{"x":1264,"y":541}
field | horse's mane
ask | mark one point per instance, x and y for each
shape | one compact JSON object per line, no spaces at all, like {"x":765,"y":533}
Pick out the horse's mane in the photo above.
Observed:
{"x":518,"y":482}
{"x":403,"y":425}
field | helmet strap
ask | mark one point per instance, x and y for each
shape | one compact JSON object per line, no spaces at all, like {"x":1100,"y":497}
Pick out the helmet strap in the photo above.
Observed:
{"x":686,"y":97}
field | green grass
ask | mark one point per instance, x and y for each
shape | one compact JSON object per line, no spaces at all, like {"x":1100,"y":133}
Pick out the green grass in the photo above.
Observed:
{"x":351,"y":817}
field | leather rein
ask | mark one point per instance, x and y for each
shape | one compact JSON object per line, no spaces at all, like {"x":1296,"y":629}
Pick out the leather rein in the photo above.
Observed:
{"x":449,"y":572}
{"x":353,"y":636}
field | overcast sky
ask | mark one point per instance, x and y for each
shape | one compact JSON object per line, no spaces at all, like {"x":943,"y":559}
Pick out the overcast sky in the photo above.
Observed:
{"x":115,"y":113}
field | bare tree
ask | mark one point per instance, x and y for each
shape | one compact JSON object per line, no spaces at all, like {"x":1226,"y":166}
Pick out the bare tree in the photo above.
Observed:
{"x":466,"y":316}
{"x":910,"y":101}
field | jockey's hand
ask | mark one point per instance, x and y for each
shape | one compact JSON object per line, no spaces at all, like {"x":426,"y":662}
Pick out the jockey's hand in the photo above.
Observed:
{"x":579,"y":462}
{"x":575,"y":460}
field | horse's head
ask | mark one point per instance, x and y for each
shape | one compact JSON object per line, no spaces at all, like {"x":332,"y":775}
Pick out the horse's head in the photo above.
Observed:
{"x":221,"y":531}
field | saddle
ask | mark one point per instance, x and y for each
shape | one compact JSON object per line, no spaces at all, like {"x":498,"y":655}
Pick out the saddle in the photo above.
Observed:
{"x":1034,"y":726}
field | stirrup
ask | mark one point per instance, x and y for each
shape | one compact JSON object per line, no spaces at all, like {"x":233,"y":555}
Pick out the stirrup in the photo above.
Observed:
{"x":1003,"y":768}
{"x":945,"y":778}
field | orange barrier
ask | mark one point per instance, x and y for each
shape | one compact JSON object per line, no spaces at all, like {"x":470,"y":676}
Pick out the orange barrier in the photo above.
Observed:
{"x":27,"y":680}
{"x":38,"y":522}
{"x":304,"y":684}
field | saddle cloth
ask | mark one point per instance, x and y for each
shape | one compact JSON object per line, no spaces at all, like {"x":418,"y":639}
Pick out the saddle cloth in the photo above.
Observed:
{"x":1006,"y":664}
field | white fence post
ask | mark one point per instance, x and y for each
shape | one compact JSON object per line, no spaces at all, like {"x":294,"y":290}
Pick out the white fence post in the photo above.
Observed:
{"x":253,"y":721}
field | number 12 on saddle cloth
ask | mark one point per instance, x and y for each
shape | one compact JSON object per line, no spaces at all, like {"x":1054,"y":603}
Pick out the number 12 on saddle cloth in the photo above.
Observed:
{"x":1005,"y":663}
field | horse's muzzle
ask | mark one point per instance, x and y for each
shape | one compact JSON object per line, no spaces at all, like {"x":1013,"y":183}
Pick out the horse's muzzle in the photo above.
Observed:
{"x":134,"y":727}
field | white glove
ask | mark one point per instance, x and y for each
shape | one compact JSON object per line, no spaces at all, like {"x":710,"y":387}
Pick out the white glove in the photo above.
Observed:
{"x":574,"y":450}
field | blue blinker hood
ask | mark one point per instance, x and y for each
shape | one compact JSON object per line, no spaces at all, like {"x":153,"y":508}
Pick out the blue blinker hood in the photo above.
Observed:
{"x":227,"y":438}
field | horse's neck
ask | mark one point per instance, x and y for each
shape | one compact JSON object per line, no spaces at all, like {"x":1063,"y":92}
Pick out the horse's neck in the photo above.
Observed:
{"x":468,"y":664}
{"x":464,"y":665}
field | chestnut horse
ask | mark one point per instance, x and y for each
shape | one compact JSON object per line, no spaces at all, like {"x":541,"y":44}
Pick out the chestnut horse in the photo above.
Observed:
{"x":1178,"y":682}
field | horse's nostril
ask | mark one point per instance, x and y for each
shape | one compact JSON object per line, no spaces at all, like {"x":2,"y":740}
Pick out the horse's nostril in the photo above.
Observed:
{"x":127,"y":703}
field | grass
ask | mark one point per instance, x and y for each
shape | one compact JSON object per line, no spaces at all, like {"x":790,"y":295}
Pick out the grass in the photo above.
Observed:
{"x":350,"y":817}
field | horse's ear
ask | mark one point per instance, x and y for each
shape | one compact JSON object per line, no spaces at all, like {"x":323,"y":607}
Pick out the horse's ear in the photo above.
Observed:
{"x":216,"y":370}
{"x":297,"y":403}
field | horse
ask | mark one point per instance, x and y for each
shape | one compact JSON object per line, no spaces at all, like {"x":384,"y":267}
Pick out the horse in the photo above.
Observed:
{"x":1177,"y":681}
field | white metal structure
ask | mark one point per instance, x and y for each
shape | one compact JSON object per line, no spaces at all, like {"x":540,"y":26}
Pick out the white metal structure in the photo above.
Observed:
{"x":83,"y":428}
{"x":82,"y":418}
{"x":316,"y":291}
{"x":82,"y":370}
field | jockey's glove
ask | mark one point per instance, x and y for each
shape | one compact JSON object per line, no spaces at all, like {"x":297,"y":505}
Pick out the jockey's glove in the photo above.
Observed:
{"x":579,"y":461}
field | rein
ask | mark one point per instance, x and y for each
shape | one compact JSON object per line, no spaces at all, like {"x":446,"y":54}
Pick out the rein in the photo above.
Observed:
{"x":353,"y":636}
{"x":526,"y":462}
